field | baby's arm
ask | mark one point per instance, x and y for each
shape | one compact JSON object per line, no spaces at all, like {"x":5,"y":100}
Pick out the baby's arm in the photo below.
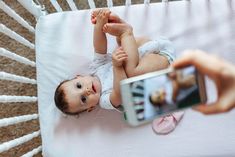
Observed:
{"x":118,"y":57}
{"x":99,"y":37}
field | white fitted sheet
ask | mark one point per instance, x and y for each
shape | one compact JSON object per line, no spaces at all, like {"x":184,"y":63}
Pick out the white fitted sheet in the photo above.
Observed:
{"x":64,"y":49}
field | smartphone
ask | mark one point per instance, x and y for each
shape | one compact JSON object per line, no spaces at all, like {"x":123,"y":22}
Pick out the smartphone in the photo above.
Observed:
{"x":154,"y":94}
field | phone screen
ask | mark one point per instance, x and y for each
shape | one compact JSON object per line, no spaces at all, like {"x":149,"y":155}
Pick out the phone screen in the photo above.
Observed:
{"x":165,"y":93}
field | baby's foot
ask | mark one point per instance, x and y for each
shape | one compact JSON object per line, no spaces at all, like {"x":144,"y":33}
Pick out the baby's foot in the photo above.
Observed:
{"x":102,"y":17}
{"x":113,"y":18}
{"x":117,"y":29}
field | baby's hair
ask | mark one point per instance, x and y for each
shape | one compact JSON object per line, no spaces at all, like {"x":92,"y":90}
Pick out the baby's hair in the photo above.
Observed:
{"x":60,"y":100}
{"x":153,"y":102}
{"x":150,"y":100}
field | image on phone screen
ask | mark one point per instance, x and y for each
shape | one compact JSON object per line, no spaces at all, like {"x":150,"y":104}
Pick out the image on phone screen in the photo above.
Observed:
{"x":165,"y":93}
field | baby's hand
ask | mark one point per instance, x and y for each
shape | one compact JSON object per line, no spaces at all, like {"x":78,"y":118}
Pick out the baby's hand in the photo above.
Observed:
{"x":118,"y":57}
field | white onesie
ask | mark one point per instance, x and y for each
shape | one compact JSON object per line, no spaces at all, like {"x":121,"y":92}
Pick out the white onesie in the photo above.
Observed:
{"x":102,"y":66}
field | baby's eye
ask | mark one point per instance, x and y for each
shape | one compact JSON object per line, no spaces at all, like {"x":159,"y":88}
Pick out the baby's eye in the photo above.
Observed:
{"x":79,"y":85}
{"x":83,"y":98}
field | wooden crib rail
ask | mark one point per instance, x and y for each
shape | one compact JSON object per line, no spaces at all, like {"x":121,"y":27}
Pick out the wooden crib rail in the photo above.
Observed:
{"x":18,"y":58}
{"x":17,"y":37}
{"x":33,"y":152}
{"x":16,"y":16}
{"x":33,"y":8}
{"x":91,"y":4}
{"x":9,"y":98}
{"x":13,"y":143}
{"x":72,"y":5}
{"x":17,"y":119}
{"x":16,"y":78}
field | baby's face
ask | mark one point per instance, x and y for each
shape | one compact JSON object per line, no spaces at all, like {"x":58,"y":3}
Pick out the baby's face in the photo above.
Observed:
{"x":82,"y":93}
{"x":158,"y":96}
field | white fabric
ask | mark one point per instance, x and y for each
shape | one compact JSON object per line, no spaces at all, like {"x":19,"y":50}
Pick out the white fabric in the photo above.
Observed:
{"x":161,"y":45}
{"x":102,"y":68}
{"x":64,"y":48}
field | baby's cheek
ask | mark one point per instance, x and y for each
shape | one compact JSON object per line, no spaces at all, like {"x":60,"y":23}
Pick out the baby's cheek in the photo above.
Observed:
{"x":96,"y":99}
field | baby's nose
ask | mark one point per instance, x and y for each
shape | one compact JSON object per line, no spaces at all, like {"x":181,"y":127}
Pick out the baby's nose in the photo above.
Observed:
{"x":88,"y":91}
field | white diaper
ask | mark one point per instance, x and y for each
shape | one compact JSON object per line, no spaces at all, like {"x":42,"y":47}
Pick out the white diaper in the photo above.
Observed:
{"x":161,"y":46}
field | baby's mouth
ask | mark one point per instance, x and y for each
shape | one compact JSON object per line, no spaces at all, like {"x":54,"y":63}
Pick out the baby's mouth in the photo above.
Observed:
{"x":93,"y":87}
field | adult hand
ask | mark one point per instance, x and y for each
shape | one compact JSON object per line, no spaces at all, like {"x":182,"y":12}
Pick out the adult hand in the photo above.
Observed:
{"x":220,"y":71}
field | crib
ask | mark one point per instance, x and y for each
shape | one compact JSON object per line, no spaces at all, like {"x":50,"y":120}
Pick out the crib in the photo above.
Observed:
{"x":10,"y":101}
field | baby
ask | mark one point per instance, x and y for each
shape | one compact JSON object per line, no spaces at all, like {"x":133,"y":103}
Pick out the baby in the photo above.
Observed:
{"x":134,"y":56}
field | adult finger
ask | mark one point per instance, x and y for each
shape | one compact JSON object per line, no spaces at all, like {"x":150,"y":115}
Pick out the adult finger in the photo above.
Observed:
{"x":207,"y":109}
{"x":203,"y":62}
{"x":220,"y":106}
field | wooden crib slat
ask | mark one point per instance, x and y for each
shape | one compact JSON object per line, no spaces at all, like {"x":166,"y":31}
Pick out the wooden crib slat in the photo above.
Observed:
{"x":18,"y":58}
{"x":33,"y":8}
{"x":72,"y":5}
{"x":16,"y":78}
{"x":17,"y":119}
{"x":13,"y":98}
{"x":128,"y":2}
{"x":33,"y":152}
{"x":91,"y":4}
{"x":15,"y":36}
{"x":110,"y":3}
{"x":13,"y":143}
{"x":15,"y":16}
{"x":56,"y":5}
{"x":146,"y":1}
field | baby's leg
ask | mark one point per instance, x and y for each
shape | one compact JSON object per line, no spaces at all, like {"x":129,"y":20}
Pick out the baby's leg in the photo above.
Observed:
{"x":151,"y":62}
{"x":141,"y":40}
{"x":135,"y":66}
{"x":99,"y":39}
{"x":128,"y":43}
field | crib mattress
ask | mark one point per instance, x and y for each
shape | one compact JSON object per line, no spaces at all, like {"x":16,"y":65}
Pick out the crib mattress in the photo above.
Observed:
{"x":64,"y":49}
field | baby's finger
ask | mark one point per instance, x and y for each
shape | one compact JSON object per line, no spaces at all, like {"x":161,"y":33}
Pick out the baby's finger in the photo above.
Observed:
{"x":121,"y":52}
{"x":121,"y":55}
{"x":122,"y":59}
